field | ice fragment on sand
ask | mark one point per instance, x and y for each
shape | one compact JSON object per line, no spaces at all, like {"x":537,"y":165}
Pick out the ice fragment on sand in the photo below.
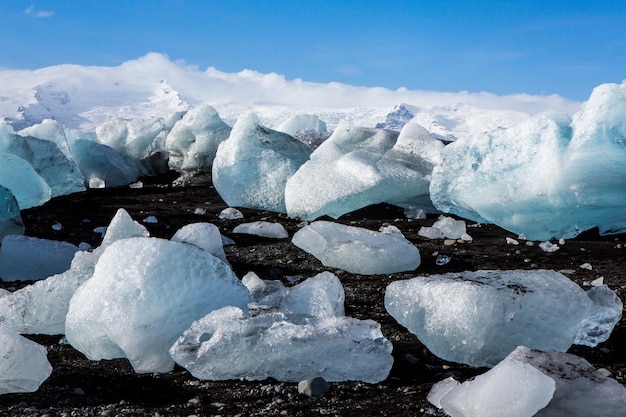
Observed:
{"x":206,"y":236}
{"x":24,"y":365}
{"x":263,"y":229}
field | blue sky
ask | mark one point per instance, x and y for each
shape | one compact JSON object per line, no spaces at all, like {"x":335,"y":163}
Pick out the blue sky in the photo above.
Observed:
{"x":506,"y":47}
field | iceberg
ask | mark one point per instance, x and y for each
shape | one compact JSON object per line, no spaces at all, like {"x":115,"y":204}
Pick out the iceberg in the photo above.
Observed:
{"x":253,"y":165}
{"x":294,"y":334}
{"x":28,"y":187}
{"x":102,"y":164}
{"x":10,"y":218}
{"x":24,"y":365}
{"x":357,"y":250}
{"x":192,"y":143}
{"x":144,"y":292}
{"x":478,"y":318}
{"x":41,"y":308}
{"x":29,"y":258}
{"x":359,"y":166}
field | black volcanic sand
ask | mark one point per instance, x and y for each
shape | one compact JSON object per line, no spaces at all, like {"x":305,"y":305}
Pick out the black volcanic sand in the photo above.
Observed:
{"x":80,"y":387}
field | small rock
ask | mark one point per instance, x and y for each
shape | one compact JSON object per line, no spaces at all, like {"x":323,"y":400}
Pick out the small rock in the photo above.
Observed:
{"x":449,"y":242}
{"x":78,"y":391}
{"x":548,"y":246}
{"x":108,"y":413}
{"x":586,"y":266}
{"x":313,"y":387}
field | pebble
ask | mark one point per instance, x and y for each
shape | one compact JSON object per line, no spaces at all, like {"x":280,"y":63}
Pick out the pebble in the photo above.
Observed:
{"x":313,"y":387}
{"x":449,"y":242}
{"x":108,"y":413}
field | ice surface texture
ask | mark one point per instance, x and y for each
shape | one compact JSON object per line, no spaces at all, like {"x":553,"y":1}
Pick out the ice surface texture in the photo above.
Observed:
{"x":299,"y":333}
{"x":478,"y":318}
{"x":143,"y":294}
{"x":546,"y":177}
{"x":24,"y":365}
{"x":253,"y":165}
{"x":10,"y":217}
{"x":532,"y":383}
{"x":359,"y":166}
{"x":101,"y":162}
{"x":357,"y":250}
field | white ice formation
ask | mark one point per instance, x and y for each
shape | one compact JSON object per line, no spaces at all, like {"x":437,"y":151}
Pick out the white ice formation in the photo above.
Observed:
{"x":357,"y":250}
{"x":533,"y":383}
{"x":478,"y":318}
{"x":358,"y":166}
{"x":24,"y":365}
{"x":144,"y":292}
{"x":297,"y":333}
{"x":263,"y":229}
{"x":206,"y":236}
{"x":101,"y":163}
{"x":253,"y":165}
{"x":10,"y":218}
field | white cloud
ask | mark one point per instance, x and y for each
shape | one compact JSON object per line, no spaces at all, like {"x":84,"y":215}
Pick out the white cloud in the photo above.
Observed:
{"x":31,"y":11}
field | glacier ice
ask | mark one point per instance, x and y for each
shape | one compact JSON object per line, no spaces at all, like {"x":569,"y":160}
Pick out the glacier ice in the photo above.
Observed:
{"x":28,"y":187}
{"x":307,"y":128}
{"x":192,"y":143}
{"x":206,"y":236}
{"x":297,"y":333}
{"x":357,"y":250}
{"x":24,"y":365}
{"x":102,"y":164}
{"x":253,"y":165}
{"x":533,"y":383}
{"x":10,"y":218}
{"x":359,"y":166}
{"x":547,"y":177}
{"x":263,"y":229}
{"x":478,"y":318}
{"x":143,"y":294}
{"x":41,"y":308}
{"x":30,"y":258}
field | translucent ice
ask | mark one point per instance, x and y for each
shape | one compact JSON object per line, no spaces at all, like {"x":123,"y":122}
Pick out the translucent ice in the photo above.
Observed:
{"x":358,"y":166}
{"x":102,"y":163}
{"x":252,"y":166}
{"x":206,"y":236}
{"x":10,"y":217}
{"x":42,"y":307}
{"x":263,"y":228}
{"x":143,"y":294}
{"x":357,"y":250}
{"x":450,"y":228}
{"x":478,"y":318}
{"x":192,"y":143}
{"x":29,"y":258}
{"x":28,"y":187}
{"x":24,"y":365}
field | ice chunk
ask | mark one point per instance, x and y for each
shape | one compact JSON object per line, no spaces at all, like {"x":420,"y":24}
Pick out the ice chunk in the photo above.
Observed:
{"x":263,"y":228}
{"x":478,"y":318}
{"x":143,"y":294}
{"x":512,"y":388}
{"x":42,"y":307}
{"x":192,"y":143}
{"x":357,"y":250}
{"x":228,"y":344}
{"x":103,"y":163}
{"x":606,"y":312}
{"x":230,"y":213}
{"x":29,"y":258}
{"x":450,"y":228}
{"x":24,"y":365}
{"x":206,"y":236}
{"x":252,"y":166}
{"x":307,"y":128}
{"x":10,"y":217}
{"x":358,"y":166}
{"x":430,"y":232}
{"x":52,"y":131}
{"x":26,"y":185}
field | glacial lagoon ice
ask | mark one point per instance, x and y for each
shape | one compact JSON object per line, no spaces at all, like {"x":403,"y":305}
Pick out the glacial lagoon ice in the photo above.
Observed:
{"x":263,"y":229}
{"x":41,"y":308}
{"x":253,"y":165}
{"x":144,"y":292}
{"x":293,"y":334}
{"x":533,"y":383}
{"x":28,"y":187}
{"x":10,"y":218}
{"x":206,"y":236}
{"x":359,"y":166}
{"x":193,"y":141}
{"x":24,"y":365}
{"x":357,"y":250}
{"x":101,"y":163}
{"x":30,"y":258}
{"x":478,"y":318}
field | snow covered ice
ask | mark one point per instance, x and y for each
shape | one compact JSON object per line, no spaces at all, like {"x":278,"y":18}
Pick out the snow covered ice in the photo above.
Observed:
{"x":29,"y":258}
{"x":359,"y":166}
{"x":478,"y":318}
{"x":533,"y":383}
{"x":253,"y":165}
{"x":193,"y":141}
{"x":357,"y":250}
{"x":10,"y":218}
{"x":143,"y":294}
{"x":302,"y":333}
{"x":24,"y":365}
